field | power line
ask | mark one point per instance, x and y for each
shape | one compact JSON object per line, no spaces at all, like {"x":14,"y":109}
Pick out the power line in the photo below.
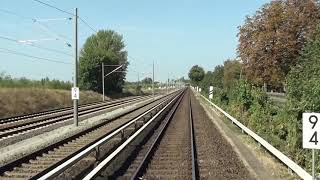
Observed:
{"x":49,"y":49}
{"x":42,"y":26}
{"x":4,"y":50}
{"x":15,"y":14}
{"x":54,"y":7}
{"x":81,"y":19}
{"x":64,"y":11}
{"x":141,"y":62}
{"x":59,"y":36}
{"x":39,"y":47}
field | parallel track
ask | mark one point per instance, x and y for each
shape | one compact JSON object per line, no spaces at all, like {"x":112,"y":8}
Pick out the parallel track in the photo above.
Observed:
{"x":37,"y":164}
{"x":58,"y":110}
{"x":18,"y":126}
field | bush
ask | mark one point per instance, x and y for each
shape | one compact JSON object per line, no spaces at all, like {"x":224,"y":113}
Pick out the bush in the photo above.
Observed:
{"x":8,"y":81}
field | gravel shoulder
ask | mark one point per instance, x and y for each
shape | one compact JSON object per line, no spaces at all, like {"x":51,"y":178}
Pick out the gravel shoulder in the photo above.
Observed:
{"x":260,"y":163}
{"x":217,"y":159}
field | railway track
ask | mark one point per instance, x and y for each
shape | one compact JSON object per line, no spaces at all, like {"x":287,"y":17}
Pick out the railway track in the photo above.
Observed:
{"x":44,"y":113}
{"x":183,"y":145}
{"x":172,"y":155}
{"x":82,"y":149}
{"x":165,"y":150}
{"x":18,"y":126}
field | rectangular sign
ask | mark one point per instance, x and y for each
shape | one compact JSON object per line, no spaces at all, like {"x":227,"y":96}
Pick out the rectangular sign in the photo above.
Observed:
{"x":75,"y":93}
{"x":310,"y":130}
{"x":210,"y":92}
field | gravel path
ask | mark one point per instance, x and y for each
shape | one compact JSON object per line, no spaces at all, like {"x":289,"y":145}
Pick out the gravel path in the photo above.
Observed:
{"x":216,"y":157}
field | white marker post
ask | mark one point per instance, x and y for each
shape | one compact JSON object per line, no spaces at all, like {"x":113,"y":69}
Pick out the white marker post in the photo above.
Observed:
{"x":199,"y":90}
{"x":310,"y":129}
{"x":75,"y":93}
{"x":211,"y":92}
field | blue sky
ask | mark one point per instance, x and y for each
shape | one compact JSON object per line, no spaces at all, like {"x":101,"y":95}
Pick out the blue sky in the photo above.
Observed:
{"x":176,"y":34}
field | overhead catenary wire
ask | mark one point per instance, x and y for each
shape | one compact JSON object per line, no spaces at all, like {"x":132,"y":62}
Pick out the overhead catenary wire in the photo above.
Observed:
{"x":58,"y":36}
{"x":54,"y":7}
{"x":8,"y":51}
{"x":87,"y":24}
{"x":13,"y":13}
{"x":36,"y":46}
{"x":64,"y":11}
{"x":135,"y":59}
{"x":41,"y":25}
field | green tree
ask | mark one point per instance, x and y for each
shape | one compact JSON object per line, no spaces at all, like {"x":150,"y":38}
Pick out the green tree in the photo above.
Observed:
{"x":196,"y":74}
{"x":146,"y":80}
{"x":217,"y":76}
{"x":207,"y":81}
{"x":270,"y":41}
{"x":303,"y":89}
{"x":231,"y":73}
{"x":106,"y":46}
{"x":303,"y":80}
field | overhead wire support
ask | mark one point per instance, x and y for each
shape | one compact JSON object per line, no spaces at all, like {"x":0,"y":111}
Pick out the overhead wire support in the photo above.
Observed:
{"x":53,"y":19}
{"x":64,"y":11}
{"x":30,"y":43}
{"x":42,"y":26}
{"x":103,"y":75}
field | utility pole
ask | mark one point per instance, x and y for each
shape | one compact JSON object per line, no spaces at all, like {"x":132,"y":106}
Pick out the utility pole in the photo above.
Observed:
{"x":102,"y":72}
{"x":153,"y":79}
{"x":138,"y":83}
{"x":75,"y":81}
{"x":168,"y":84}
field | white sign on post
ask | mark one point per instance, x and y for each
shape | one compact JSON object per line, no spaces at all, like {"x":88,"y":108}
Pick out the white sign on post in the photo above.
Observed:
{"x":199,"y":89}
{"x":210,"y":92}
{"x":310,"y":130}
{"x":75,"y":93}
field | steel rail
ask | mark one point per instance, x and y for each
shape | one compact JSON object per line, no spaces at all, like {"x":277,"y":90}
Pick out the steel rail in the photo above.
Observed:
{"x":150,"y":151}
{"x":62,"y":167}
{"x":108,"y":159}
{"x":193,"y":145}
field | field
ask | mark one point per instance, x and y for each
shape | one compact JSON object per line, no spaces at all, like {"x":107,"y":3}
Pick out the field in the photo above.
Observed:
{"x":17,"y":101}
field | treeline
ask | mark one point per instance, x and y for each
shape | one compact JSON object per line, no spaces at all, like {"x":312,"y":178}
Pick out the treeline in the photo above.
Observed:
{"x":10,"y":82}
{"x":279,"y":49}
{"x":105,"y":46}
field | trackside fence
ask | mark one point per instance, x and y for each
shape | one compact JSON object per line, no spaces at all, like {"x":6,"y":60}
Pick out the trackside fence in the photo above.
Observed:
{"x":283,"y":158}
